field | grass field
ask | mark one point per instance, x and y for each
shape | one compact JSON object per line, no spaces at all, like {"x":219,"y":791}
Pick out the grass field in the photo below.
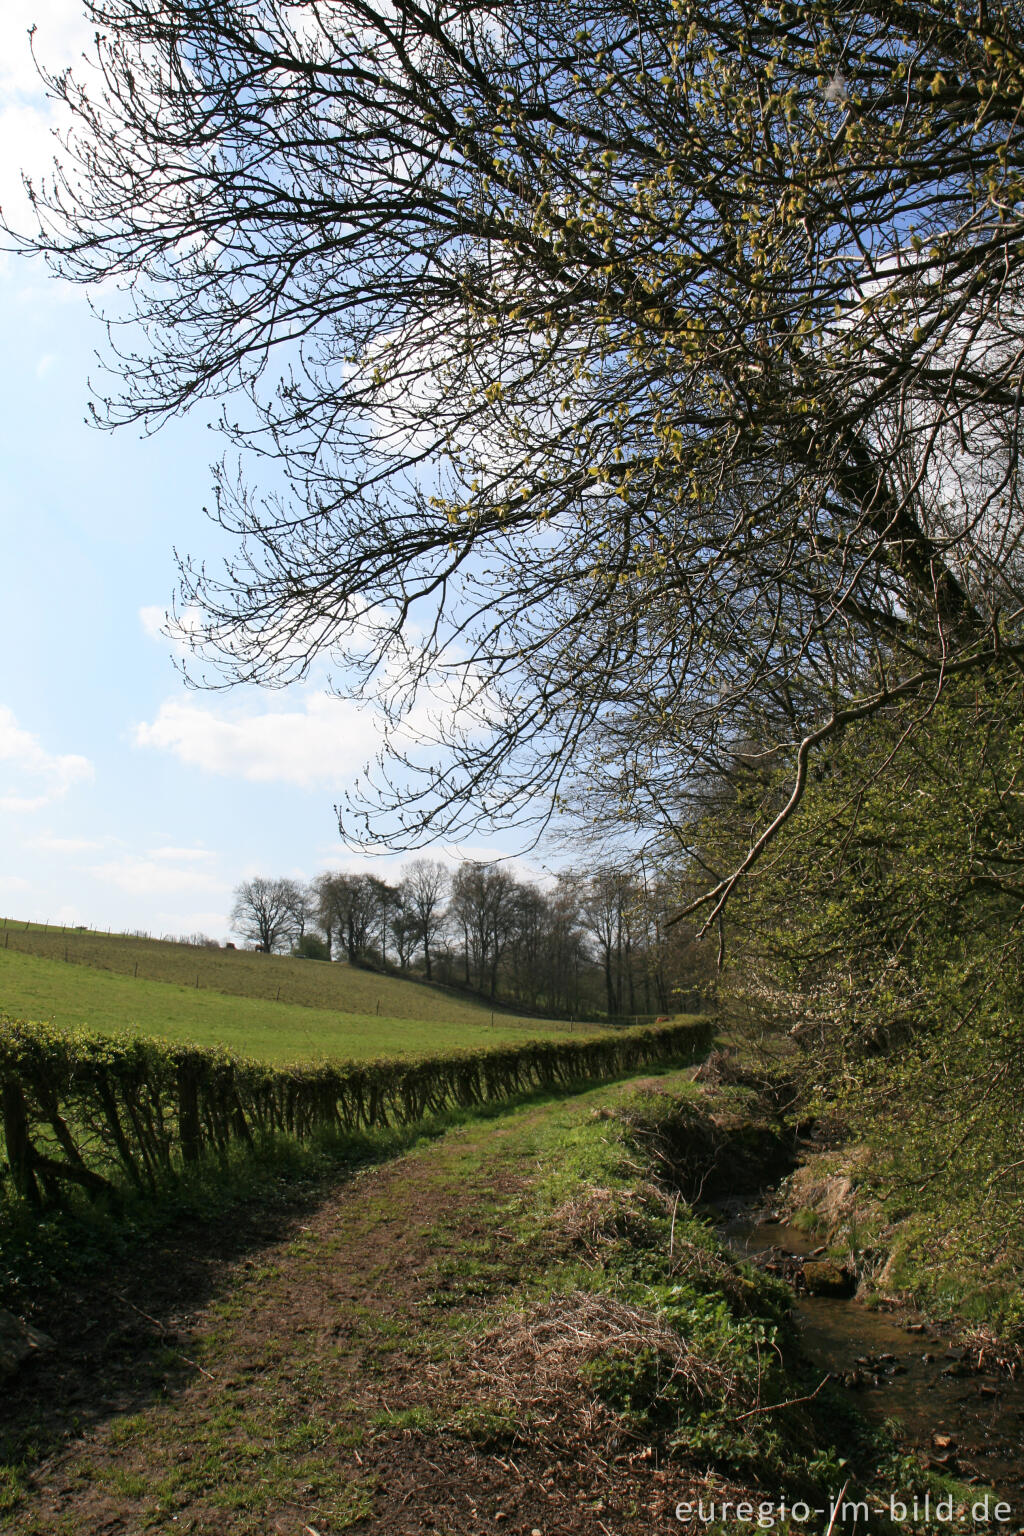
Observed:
{"x":336,"y":988}
{"x":36,"y":988}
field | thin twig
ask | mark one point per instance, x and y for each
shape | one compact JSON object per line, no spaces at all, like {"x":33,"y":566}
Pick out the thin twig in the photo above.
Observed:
{"x":164,"y":1329}
{"x":672,"y":1233}
{"x":790,"y":1402}
{"x":835,"y":1507}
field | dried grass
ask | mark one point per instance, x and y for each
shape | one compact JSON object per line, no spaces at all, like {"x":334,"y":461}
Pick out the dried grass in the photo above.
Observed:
{"x":534,"y":1359}
{"x":598,"y":1218}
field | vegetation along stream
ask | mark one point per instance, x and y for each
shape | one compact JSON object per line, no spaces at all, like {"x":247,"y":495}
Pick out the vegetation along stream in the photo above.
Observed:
{"x":960,"y":1405}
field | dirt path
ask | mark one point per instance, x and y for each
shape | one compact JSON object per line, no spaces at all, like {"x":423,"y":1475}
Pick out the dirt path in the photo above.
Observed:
{"x":298,"y":1371}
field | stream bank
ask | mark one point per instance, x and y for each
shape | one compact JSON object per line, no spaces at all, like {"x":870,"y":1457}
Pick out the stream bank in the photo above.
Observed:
{"x":782,"y":1205}
{"x":960,"y":1405}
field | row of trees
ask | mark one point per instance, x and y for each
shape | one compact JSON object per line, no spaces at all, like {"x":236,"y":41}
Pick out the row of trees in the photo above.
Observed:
{"x":589,"y":943}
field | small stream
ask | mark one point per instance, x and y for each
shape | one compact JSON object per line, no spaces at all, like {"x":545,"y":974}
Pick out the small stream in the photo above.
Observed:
{"x":963,"y":1415}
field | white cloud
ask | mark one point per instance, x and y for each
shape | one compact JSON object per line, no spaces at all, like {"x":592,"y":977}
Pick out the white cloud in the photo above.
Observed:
{"x":192,"y":637}
{"x":180,"y":853}
{"x":147,"y":877}
{"x":34,"y":776}
{"x":27,"y":118}
{"x":46,"y":843}
{"x":16,"y":804}
{"x":62,"y":32}
{"x":195,"y":921}
{"x":161,"y":625}
{"x":68,"y":914}
{"x":325,"y":741}
{"x":153,"y":618}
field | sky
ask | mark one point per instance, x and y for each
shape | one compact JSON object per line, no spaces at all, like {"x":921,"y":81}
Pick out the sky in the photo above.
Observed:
{"x":126,"y":800}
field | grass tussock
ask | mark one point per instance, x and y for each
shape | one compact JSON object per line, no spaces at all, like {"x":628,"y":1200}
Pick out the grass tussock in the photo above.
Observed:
{"x":537,"y":1359}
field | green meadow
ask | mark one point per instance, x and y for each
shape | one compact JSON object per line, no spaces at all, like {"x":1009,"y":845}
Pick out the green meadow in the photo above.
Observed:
{"x":243,"y":973}
{"x":33,"y":987}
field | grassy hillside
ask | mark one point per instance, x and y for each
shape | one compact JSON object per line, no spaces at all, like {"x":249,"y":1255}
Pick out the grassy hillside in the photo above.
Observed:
{"x":337,"y":988}
{"x":36,"y":988}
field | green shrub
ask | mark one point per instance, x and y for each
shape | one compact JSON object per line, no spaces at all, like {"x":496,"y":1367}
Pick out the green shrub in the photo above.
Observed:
{"x":312,"y":947}
{"x":92,"y":1112}
{"x":885,"y":928}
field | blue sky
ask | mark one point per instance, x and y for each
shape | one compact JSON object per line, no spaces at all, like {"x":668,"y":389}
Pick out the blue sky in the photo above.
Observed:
{"x":126,"y":800}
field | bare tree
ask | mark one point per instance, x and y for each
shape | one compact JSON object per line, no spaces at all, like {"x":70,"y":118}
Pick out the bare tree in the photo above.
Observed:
{"x":356,"y":909}
{"x":325,"y":910}
{"x":607,"y":899}
{"x":302,"y":901}
{"x":387,"y":902}
{"x":405,"y":934}
{"x":483,"y":903}
{"x":525,"y":951}
{"x":425,"y":885}
{"x":566,"y":961}
{"x":264,"y":912}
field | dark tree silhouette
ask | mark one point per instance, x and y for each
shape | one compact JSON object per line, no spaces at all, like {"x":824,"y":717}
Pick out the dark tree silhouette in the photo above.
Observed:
{"x":264,"y":912}
{"x":425,"y":885}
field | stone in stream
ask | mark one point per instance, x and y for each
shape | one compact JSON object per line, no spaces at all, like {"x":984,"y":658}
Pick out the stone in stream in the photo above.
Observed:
{"x":19,"y":1341}
{"x":824,"y":1277}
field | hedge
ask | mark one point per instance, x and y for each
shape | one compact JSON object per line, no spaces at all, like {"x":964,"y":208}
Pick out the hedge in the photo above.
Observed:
{"x":90,"y":1111}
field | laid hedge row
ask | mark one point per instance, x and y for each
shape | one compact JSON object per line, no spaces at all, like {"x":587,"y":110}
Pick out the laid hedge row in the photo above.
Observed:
{"x":82,"y":1109}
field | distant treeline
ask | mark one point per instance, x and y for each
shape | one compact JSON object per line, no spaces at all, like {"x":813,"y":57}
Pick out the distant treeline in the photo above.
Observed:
{"x":594,"y":944}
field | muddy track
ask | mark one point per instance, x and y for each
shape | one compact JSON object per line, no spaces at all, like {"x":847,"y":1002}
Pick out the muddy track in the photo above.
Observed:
{"x":298,"y":1371}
